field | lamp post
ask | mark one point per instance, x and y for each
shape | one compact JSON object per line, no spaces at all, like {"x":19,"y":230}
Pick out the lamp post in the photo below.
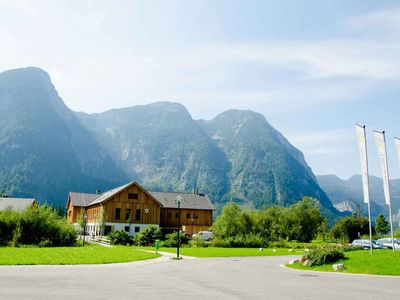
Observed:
{"x":84,"y":229}
{"x":178,"y":201}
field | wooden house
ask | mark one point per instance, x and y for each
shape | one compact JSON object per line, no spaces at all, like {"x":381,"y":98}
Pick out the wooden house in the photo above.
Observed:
{"x":131,"y":208}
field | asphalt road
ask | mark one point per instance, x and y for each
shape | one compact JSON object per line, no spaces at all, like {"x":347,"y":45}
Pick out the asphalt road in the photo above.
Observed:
{"x":216,"y":278}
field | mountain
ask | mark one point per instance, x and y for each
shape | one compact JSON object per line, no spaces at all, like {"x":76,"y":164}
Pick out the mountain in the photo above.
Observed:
{"x":47,"y":150}
{"x":161,"y":146}
{"x":236,"y":156}
{"x":264,"y":167}
{"x":348,"y":194}
{"x":44,"y":151}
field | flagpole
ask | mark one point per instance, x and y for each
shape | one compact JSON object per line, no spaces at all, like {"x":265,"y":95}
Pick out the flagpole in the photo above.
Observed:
{"x":366,"y":188}
{"x":369,"y":194}
{"x":385,"y":178}
{"x":390,"y":202}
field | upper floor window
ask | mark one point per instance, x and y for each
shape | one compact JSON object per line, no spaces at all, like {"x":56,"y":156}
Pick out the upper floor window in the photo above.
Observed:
{"x":133,"y":196}
{"x":188,"y":216}
{"x":117,"y":214}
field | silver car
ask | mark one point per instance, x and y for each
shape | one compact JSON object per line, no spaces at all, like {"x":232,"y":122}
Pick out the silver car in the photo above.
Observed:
{"x":388,"y":243}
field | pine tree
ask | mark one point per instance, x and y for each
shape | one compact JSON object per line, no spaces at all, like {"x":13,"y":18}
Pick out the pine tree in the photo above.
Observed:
{"x":381,"y":225}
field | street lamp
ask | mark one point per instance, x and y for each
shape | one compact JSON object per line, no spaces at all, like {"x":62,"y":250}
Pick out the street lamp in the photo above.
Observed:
{"x":178,"y":201}
{"x":84,"y":229}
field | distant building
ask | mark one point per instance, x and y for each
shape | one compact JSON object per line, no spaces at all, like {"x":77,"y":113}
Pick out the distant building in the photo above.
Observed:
{"x":16,"y":204}
{"x":131,"y":208}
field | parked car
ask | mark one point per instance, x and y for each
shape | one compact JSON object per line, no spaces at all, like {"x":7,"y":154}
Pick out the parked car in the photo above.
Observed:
{"x":366,"y":244}
{"x":387,"y":242}
{"x":204,"y":235}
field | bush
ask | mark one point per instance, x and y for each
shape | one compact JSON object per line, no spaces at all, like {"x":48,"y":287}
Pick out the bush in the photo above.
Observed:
{"x":197,"y":242}
{"x":148,"y":236}
{"x":322,"y":256}
{"x":34,"y":225}
{"x":120,"y":237}
{"x":172,"y":240}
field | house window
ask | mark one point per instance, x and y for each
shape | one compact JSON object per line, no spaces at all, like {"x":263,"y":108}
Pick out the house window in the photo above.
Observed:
{"x":169,"y":215}
{"x":133,"y":196}
{"x":138,"y":214}
{"x":127,"y":228}
{"x":127,"y":214}
{"x":137,"y":228}
{"x":117,"y":214}
{"x":188,"y":216}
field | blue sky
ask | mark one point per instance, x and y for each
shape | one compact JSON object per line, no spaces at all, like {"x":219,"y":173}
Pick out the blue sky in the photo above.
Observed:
{"x":313,"y":68}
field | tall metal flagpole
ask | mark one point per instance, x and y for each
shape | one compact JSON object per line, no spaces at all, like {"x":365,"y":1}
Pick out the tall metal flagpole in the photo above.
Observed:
{"x":381,"y":145}
{"x":362,"y":144}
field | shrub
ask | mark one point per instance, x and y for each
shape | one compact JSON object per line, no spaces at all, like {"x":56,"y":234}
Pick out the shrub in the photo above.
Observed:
{"x":197,"y":242}
{"x":321,"y":256}
{"x":148,"y":236}
{"x":34,"y":225}
{"x":120,"y":237}
{"x":172,"y":240}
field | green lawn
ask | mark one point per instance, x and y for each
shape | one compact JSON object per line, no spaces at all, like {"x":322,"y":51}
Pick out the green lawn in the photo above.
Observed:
{"x":382,"y":262}
{"x":229,"y":252}
{"x":92,"y":254}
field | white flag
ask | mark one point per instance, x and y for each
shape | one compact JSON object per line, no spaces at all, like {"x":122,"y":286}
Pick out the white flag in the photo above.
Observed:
{"x":362,"y":145}
{"x":397,"y":143}
{"x":381,"y":146}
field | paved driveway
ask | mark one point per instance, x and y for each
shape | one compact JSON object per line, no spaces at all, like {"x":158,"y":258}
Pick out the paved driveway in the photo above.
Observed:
{"x":217,"y":278}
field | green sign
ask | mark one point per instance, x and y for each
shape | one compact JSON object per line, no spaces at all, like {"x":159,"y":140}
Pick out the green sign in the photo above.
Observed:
{"x":158,"y":244}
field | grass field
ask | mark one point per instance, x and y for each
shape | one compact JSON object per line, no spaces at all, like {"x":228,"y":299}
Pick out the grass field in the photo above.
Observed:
{"x":382,"y":262}
{"x":229,"y":252}
{"x":92,"y":254}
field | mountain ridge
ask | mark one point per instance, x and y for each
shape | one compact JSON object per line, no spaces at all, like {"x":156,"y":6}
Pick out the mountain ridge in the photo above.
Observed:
{"x":236,"y":156}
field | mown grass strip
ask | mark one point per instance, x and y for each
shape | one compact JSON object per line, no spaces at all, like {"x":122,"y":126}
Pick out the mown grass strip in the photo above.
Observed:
{"x":229,"y":252}
{"x":92,"y":254}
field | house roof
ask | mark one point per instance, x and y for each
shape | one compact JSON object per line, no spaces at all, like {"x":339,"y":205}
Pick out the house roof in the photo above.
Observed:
{"x":110,"y":193}
{"x":166,"y":199}
{"x":82,"y":199}
{"x":16,"y":204}
{"x":188,"y":200}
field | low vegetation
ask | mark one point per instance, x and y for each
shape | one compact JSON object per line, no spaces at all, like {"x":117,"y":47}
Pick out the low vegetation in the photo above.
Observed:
{"x":382,"y":262}
{"x":37,"y":225}
{"x":301,"y":222}
{"x":322,"y":256}
{"x":92,"y":254}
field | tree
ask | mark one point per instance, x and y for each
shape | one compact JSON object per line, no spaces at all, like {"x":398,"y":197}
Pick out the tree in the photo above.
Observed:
{"x":349,"y":228}
{"x":229,"y":223}
{"x":303,"y":220}
{"x":381,"y":225}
